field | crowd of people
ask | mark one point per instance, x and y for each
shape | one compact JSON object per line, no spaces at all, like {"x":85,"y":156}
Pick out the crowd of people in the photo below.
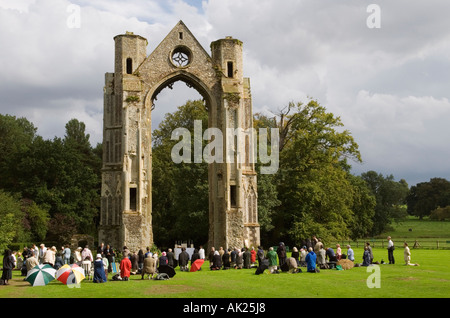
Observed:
{"x":313,"y":255}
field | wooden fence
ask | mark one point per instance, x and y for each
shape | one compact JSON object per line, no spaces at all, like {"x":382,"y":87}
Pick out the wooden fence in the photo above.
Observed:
{"x":422,"y":243}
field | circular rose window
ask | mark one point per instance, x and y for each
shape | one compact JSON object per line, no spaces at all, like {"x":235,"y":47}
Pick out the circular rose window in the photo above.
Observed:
{"x":181,"y":56}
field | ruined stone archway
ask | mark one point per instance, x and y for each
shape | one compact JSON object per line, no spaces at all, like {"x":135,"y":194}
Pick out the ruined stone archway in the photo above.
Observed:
{"x":128,"y":101}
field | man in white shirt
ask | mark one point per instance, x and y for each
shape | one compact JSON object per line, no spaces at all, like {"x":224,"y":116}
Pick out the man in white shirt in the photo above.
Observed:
{"x":390,"y":249}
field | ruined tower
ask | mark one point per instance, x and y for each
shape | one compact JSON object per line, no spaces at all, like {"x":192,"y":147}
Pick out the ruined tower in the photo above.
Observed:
{"x":129,"y":94}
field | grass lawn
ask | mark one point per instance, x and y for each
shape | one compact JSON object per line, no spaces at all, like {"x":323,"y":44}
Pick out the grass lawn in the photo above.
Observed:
{"x":429,"y":280}
{"x":414,"y":228}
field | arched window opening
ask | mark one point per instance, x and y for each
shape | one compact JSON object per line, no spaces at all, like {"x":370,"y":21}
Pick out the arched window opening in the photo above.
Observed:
{"x":129,"y":65}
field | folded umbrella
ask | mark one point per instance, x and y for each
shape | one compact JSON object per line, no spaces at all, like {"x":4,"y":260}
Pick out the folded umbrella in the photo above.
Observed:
{"x":195,"y":266}
{"x":41,"y":275}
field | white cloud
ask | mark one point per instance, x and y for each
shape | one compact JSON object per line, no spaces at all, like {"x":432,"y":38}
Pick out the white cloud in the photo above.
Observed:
{"x":389,"y":85}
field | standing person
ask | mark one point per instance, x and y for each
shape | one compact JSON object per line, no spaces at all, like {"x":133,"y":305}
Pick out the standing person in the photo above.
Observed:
{"x":109,"y":254}
{"x":310,"y":261}
{"x":8,"y":265}
{"x":66,"y":254}
{"x":86,"y":253}
{"x":369,"y":248}
{"x":201,"y":251}
{"x":50,"y":256}
{"x":366,"y":257}
{"x":77,"y":257}
{"x":407,"y":255}
{"x":281,"y":251}
{"x":42,"y":250}
{"x":125,"y":267}
{"x":272,"y":256}
{"x":350,"y":253}
{"x":100,"y":249}
{"x":390,"y":249}
{"x":36,"y":251}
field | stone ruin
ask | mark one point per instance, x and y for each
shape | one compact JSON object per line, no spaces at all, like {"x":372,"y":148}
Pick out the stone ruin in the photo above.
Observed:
{"x":129,"y":95}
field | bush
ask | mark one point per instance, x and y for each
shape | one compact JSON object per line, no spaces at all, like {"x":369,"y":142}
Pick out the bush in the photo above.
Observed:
{"x":440,"y":214}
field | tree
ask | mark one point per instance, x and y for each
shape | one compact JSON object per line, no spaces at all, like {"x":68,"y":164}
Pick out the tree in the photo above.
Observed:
{"x":428,"y":196}
{"x":390,"y":198}
{"x":35,"y":221}
{"x":180,"y":202}
{"x":363,"y":207}
{"x":16,"y":138}
{"x":11,"y":216}
{"x":314,"y":185}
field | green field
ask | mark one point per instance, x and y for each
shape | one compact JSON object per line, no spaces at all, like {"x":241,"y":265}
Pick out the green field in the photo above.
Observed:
{"x":429,"y":234}
{"x":429,"y":280}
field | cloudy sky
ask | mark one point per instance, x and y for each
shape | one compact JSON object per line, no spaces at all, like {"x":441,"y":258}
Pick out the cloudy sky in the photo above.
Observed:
{"x":385,"y":72}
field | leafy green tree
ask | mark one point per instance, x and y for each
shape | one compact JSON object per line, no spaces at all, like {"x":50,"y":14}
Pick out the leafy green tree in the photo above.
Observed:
{"x":314,"y":187}
{"x":390,"y":198}
{"x":363,"y":207}
{"x":180,"y":202}
{"x":16,"y":138}
{"x":428,"y":196}
{"x":11,"y":216}
{"x":35,"y":221}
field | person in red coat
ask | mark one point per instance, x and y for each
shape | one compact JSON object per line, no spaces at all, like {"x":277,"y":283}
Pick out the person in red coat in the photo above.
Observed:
{"x":253,"y":256}
{"x":125,"y":267}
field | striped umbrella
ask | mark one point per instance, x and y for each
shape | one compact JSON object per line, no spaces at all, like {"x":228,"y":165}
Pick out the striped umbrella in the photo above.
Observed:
{"x":41,"y":275}
{"x":70,"y":274}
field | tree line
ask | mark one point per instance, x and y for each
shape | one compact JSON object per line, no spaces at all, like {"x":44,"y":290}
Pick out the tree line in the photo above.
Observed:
{"x":50,"y":189}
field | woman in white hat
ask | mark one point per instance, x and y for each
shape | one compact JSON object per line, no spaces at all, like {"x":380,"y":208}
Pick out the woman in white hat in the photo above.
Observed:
{"x":99,"y":270}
